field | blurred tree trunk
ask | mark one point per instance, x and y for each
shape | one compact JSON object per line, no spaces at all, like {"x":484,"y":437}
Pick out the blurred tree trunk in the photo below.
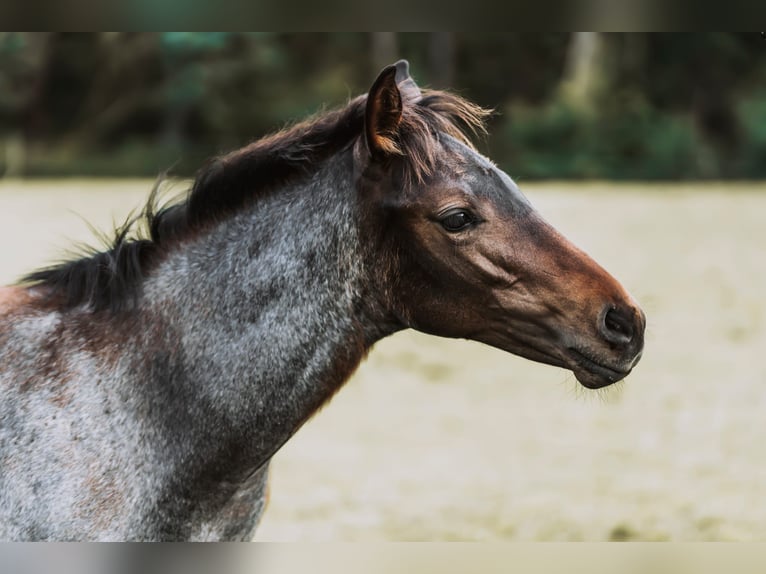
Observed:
{"x":30,"y":74}
{"x":14,"y":155}
{"x":634,"y":56}
{"x":123,"y":82}
{"x":586,"y":75}
{"x":385,"y":50}
{"x":441,"y":56}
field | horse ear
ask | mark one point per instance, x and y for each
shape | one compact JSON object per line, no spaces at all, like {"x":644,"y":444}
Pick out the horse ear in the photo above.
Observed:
{"x":407,"y":87}
{"x":383,"y":114}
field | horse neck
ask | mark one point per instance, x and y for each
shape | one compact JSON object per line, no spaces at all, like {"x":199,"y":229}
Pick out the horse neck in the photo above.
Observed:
{"x":262,"y":319}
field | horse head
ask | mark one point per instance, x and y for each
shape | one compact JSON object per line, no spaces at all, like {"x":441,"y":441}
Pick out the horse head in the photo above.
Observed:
{"x":465,"y":253}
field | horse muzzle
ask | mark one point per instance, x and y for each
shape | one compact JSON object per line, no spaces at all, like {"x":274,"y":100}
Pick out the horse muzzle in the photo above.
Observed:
{"x":619,"y":346}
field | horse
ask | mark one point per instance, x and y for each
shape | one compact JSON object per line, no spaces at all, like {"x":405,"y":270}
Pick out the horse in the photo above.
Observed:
{"x":146,"y":385}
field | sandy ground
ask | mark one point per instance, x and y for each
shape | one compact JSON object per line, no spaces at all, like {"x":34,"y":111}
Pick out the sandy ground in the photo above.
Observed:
{"x":435,"y":439}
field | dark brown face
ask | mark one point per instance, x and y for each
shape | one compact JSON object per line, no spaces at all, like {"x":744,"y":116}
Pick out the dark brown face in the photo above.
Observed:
{"x":474,"y":260}
{"x":465,"y":254}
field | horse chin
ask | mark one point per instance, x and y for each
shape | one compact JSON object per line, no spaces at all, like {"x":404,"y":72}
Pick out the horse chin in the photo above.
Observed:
{"x":589,"y":373}
{"x":594,"y":381}
{"x":595,"y":374}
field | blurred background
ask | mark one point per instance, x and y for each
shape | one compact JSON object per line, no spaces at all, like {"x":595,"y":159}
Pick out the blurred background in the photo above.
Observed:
{"x":647,"y":150}
{"x":570,"y":105}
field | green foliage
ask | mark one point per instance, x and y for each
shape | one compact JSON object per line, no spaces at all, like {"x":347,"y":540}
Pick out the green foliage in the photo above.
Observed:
{"x":632,"y":142}
{"x":135,"y":158}
{"x":183,"y":43}
{"x":752,"y":115}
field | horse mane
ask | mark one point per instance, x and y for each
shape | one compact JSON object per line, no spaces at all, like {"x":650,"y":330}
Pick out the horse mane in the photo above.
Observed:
{"x":111,"y":279}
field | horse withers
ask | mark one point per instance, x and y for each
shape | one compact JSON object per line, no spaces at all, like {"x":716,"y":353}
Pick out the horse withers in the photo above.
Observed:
{"x":145,"y":387}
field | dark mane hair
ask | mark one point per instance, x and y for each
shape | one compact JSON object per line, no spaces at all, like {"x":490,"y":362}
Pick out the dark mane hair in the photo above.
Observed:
{"x":112,"y":279}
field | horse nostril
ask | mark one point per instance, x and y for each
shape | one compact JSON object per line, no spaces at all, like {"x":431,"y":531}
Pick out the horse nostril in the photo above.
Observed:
{"x":617,"y":326}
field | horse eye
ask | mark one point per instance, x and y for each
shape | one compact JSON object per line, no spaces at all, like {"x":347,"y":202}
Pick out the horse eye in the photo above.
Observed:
{"x":457,"y":221}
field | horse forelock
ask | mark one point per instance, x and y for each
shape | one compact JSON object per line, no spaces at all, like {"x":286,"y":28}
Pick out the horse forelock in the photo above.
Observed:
{"x":111,"y":278}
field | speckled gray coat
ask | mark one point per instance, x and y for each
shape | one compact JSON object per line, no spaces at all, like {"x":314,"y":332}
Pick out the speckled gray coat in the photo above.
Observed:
{"x":273,"y":316}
